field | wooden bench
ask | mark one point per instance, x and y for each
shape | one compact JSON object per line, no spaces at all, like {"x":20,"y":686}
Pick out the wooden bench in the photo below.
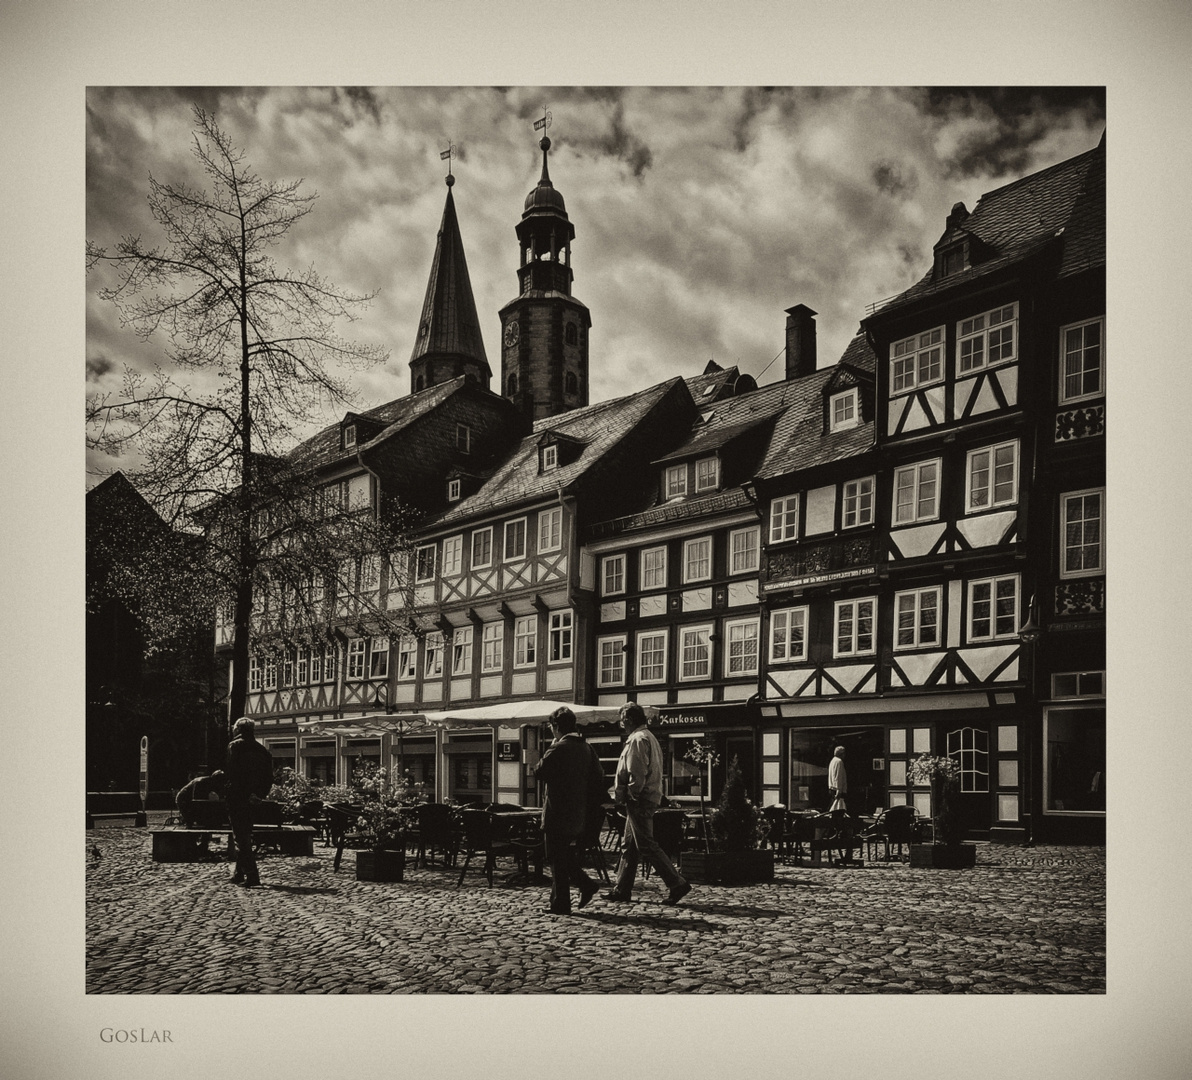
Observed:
{"x":180,"y":843}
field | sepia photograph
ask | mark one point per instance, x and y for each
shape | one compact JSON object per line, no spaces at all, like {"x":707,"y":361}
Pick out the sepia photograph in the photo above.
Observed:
{"x":589,"y":540}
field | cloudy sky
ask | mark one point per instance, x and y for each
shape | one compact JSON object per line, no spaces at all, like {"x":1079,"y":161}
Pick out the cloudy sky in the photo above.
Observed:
{"x":700,"y":214}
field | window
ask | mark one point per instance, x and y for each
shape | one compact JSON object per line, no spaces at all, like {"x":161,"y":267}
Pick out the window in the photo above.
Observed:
{"x":846,"y":411}
{"x":952,"y":260}
{"x":356,"y":651}
{"x":784,"y":519}
{"x":330,"y":663}
{"x":707,"y":474}
{"x":287,"y":669}
{"x":788,"y":635}
{"x":453,"y":550}
{"x":378,"y":658}
{"x":1070,"y":684}
{"x":424,"y":563}
{"x":434,"y":653}
{"x":917,"y":618}
{"x":550,"y":529}
{"x":492,"y":656}
{"x":407,"y":657}
{"x":303,"y":673}
{"x":461,"y":651}
{"x":463,"y":438}
{"x":550,"y":457}
{"x":560,"y":637}
{"x":271,"y":672}
{"x":695,"y":652}
{"x":854,"y":627}
{"x":610,"y":662}
{"x":254,"y":674}
{"x":651,"y":657}
{"x":1082,"y":361}
{"x":675,"y":482}
{"x":370,"y":573}
{"x":858,"y":503}
{"x":917,"y":361}
{"x":697,"y":559}
{"x":743,"y":550}
{"x":453,"y":490}
{"x":349,"y":436}
{"x":515,"y":539}
{"x":653,"y":568}
{"x":916,"y":492}
{"x":613,"y":575}
{"x":969,"y":748}
{"x":482,"y":549}
{"x":993,"y":476}
{"x":993,"y":608}
{"x":741,"y":657}
{"x":1082,"y":527}
{"x":987,"y":339}
{"x":316,"y":666}
{"x":525,"y":641}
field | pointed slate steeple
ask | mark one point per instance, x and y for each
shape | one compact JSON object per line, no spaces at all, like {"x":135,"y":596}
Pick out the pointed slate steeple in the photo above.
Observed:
{"x":449,"y":343}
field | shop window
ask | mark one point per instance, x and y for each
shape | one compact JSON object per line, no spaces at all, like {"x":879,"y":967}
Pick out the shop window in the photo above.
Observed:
{"x":1074,"y":761}
{"x":686,"y":778}
{"x":969,"y":748}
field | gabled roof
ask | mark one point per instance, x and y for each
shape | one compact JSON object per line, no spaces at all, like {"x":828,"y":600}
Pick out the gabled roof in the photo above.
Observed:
{"x":325,"y":448}
{"x":1062,"y":206}
{"x":449,"y":324}
{"x":598,"y":427}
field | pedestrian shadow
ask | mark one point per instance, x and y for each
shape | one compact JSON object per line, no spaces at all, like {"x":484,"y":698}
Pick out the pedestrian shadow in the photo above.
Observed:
{"x":299,"y":890}
{"x":647,"y":916}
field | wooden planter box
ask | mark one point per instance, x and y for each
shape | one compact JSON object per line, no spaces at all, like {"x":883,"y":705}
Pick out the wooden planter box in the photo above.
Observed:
{"x":380,"y":865}
{"x":727,"y":867}
{"x":944,"y":856}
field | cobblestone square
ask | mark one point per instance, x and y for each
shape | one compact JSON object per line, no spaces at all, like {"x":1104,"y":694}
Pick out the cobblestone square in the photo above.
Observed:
{"x":1023,"y":921}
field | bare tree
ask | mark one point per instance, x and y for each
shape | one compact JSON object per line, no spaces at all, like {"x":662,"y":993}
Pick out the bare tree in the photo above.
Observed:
{"x":263,"y":339}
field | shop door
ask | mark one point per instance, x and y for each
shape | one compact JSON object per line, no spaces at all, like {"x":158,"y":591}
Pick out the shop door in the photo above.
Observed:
{"x":740,"y":746}
{"x":969,"y":748}
{"x":864,"y":761}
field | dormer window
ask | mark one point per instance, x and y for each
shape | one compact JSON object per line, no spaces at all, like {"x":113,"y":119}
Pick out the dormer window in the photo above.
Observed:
{"x":845,"y":410}
{"x":349,"y":436}
{"x":463,"y":438}
{"x":675,"y":481}
{"x":951,"y":261}
{"x":707,"y":474}
{"x":550,"y":457}
{"x":453,"y":490}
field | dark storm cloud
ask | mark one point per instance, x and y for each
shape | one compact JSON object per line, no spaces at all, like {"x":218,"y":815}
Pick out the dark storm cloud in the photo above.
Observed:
{"x":889,"y":178}
{"x":98,"y":367}
{"x":365,"y":100}
{"x":1018,"y":120}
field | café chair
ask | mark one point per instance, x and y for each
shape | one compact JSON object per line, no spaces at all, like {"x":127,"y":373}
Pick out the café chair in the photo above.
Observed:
{"x":435,"y":833}
{"x":480,"y":839}
{"x":899,"y":825}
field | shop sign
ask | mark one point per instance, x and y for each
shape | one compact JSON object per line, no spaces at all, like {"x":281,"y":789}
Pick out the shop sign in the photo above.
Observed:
{"x":683,"y":719}
{"x":819,"y":579}
{"x":507,"y":751}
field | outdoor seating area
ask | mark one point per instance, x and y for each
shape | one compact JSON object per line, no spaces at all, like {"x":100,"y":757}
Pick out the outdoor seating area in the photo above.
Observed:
{"x":187,"y":835}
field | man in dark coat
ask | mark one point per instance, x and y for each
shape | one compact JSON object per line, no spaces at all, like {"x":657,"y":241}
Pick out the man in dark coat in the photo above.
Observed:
{"x":575,"y":789}
{"x":249,"y":776}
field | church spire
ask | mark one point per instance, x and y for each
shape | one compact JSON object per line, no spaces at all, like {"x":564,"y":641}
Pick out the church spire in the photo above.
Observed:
{"x":448,"y":343}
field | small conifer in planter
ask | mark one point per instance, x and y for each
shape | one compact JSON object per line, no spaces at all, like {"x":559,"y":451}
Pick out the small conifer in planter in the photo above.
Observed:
{"x":946,"y":851}
{"x":738,"y":829}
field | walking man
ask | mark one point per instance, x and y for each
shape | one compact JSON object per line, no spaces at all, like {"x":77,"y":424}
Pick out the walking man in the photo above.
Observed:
{"x":837,"y":779}
{"x":639,"y":790}
{"x":575,"y":788}
{"x":249,"y":775}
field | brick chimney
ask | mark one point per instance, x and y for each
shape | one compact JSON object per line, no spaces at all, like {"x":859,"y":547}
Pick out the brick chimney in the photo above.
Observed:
{"x":800,"y":341}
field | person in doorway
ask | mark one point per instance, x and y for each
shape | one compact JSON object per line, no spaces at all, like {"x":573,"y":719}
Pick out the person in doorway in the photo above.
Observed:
{"x":837,"y":780}
{"x":639,"y":791}
{"x":249,"y":771}
{"x":575,"y":789}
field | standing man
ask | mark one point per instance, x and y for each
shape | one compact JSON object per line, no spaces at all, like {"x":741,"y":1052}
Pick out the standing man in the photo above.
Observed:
{"x":574,"y":785}
{"x":837,"y":779}
{"x":639,"y":790}
{"x":249,"y":774}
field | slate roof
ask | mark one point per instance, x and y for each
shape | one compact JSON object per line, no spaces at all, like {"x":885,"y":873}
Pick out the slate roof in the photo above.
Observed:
{"x":449,"y":324}
{"x":599,"y":427}
{"x":324,"y":448}
{"x":1063,"y":205}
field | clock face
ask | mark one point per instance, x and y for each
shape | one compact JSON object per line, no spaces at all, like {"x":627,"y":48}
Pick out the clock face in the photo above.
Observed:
{"x":512,"y":332}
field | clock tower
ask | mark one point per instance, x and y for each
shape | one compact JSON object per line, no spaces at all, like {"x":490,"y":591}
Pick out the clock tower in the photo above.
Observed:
{"x":544,"y":330}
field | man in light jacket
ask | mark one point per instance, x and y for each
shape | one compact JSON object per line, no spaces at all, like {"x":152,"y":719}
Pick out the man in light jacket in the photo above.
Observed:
{"x":837,"y":779}
{"x":639,"y":791}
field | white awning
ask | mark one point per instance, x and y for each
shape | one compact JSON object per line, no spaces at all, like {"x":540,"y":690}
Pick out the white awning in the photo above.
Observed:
{"x":523,"y":713}
{"x":376,"y":724}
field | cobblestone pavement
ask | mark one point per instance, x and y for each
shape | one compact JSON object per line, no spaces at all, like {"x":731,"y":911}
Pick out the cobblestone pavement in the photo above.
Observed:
{"x":1023,"y":921}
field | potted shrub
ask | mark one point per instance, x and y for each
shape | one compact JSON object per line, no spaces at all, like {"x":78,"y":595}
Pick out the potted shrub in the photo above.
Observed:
{"x":381,"y":824}
{"x":946,"y":851}
{"x":737,"y":830}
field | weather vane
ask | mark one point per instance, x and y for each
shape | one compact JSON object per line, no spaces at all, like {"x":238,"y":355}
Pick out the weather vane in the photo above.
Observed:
{"x":446,"y":156}
{"x":544,"y":123}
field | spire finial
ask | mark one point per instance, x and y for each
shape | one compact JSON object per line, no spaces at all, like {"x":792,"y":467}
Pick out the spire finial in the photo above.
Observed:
{"x":544,"y":142}
{"x":446,"y":156}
